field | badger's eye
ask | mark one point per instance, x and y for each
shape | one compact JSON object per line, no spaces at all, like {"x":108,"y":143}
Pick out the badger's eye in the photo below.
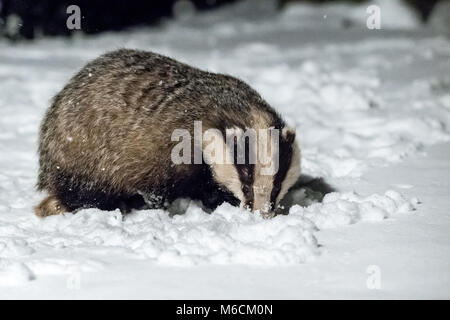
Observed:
{"x":245,"y":189}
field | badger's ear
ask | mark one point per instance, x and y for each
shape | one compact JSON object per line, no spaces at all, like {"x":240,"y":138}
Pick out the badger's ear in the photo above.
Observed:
{"x":288,"y":134}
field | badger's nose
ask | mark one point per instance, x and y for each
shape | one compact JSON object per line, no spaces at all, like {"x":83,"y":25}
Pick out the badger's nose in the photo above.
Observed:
{"x":263,"y":207}
{"x":268,"y":215}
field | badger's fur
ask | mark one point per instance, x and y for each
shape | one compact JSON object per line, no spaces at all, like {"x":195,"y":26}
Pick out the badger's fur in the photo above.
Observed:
{"x":105,"y":141}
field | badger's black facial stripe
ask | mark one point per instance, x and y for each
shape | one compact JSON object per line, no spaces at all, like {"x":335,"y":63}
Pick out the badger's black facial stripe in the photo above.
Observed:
{"x":246,"y":175}
{"x":285,"y":159}
{"x":246,"y":172}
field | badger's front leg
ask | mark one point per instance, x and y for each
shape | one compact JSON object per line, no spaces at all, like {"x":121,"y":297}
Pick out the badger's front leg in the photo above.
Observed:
{"x":153,"y":200}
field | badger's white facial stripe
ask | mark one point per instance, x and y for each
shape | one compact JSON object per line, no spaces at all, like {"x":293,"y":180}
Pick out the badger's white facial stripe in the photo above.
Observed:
{"x":292,"y":174}
{"x":225,"y":174}
{"x":264,"y":177}
{"x":262,"y":189}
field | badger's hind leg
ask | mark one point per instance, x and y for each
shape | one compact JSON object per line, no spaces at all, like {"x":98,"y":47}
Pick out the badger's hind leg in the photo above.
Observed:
{"x":50,"y":206}
{"x":69,"y":194}
{"x":79,"y":198}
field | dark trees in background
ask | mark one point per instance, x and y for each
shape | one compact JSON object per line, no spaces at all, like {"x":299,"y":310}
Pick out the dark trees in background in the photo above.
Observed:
{"x":28,"y":18}
{"x":48,"y":17}
{"x":423,"y":7}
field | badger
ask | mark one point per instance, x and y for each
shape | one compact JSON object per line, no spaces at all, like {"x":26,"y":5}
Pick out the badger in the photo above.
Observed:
{"x":107,"y":141}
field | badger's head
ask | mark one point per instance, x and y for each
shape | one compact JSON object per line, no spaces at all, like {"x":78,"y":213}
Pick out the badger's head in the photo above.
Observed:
{"x":258,"y":166}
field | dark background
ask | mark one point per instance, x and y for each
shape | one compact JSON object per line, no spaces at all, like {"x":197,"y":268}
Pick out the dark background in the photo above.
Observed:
{"x":48,"y":17}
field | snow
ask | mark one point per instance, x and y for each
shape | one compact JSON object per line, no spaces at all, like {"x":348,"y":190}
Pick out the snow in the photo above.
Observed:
{"x":372,"y":113}
{"x":348,"y":208}
{"x":14,"y":274}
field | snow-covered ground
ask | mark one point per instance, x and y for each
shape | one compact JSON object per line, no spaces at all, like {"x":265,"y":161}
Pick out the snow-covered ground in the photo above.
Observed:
{"x":372,"y":112}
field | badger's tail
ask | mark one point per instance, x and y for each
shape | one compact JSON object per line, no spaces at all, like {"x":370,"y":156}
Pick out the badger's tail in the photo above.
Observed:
{"x":49,"y":206}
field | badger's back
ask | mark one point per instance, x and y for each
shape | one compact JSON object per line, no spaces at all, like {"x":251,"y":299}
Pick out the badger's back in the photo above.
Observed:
{"x":110,"y":128}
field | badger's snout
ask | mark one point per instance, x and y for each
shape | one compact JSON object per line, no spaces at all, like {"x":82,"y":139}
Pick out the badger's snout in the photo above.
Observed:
{"x":261,"y":199}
